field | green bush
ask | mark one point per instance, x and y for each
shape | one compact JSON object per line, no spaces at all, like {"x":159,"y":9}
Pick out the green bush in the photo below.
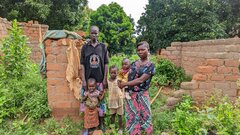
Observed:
{"x":185,"y":120}
{"x":22,"y":90}
{"x":19,"y":127}
{"x":49,"y":127}
{"x":223,"y":118}
{"x":27,"y":96}
{"x":5,"y":99}
{"x":36,"y":106}
{"x":65,"y":127}
{"x":168,"y":73}
{"x":162,"y":122}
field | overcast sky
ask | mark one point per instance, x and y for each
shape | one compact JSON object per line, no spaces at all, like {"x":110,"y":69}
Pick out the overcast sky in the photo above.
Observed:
{"x":133,"y":7}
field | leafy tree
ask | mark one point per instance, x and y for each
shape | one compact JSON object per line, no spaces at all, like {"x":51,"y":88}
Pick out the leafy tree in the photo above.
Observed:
{"x":231,"y":16}
{"x":84,"y":24}
{"x":116,"y":28}
{"x":228,"y":14}
{"x":25,"y":10}
{"x":166,"y":21}
{"x":58,"y":14}
{"x":66,"y":14}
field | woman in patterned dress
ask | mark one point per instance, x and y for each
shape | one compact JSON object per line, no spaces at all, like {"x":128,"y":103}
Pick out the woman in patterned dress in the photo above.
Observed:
{"x":138,"y":112}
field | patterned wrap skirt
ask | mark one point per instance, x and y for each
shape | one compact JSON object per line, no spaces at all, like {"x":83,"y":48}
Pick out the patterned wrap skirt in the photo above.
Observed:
{"x":138,"y":113}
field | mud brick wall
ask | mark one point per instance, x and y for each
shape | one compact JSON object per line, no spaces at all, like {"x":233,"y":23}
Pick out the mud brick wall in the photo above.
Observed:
{"x":216,"y":77}
{"x":213,"y":65}
{"x":32,"y":30}
{"x":60,"y":99}
{"x":190,"y":55}
{"x":4,"y":26}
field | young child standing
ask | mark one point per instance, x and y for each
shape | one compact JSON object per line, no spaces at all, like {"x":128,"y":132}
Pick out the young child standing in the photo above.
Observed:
{"x":115,"y":98}
{"x":123,"y":75}
{"x":91,"y":99}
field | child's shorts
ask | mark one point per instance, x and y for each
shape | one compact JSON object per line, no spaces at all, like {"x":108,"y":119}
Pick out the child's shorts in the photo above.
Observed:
{"x":100,"y":112}
{"x":118,"y":111}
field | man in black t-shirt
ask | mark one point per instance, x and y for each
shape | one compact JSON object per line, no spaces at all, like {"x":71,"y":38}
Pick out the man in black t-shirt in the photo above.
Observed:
{"x":94,"y":60}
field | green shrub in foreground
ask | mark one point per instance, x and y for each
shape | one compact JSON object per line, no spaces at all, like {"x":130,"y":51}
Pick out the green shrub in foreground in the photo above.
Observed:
{"x":22,"y":90}
{"x":25,"y":97}
{"x":222,"y":118}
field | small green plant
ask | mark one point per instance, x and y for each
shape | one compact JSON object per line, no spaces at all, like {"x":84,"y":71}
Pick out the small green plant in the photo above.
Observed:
{"x":15,"y":51}
{"x":65,"y":127}
{"x":223,"y":118}
{"x":162,"y":121}
{"x":20,"y":127}
{"x":185,"y":120}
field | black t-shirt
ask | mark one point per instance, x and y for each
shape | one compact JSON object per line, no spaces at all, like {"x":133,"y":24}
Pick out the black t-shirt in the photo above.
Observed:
{"x":94,"y":59}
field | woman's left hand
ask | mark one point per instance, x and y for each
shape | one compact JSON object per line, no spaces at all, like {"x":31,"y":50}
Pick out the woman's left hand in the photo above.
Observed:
{"x":121,"y":84}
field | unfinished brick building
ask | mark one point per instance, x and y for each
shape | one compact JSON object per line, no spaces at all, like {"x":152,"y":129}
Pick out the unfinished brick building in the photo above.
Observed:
{"x":213,"y":65}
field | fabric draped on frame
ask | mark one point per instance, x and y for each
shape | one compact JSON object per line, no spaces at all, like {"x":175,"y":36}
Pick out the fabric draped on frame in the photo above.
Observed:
{"x":73,"y":69}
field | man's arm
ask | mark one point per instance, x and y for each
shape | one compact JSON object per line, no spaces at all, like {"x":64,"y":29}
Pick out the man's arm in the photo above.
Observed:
{"x":82,"y":62}
{"x":106,"y":61}
{"x":105,"y":76}
{"x":84,"y":83}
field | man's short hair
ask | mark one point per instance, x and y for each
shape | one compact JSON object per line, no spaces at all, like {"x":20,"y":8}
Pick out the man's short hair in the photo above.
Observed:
{"x":94,"y":27}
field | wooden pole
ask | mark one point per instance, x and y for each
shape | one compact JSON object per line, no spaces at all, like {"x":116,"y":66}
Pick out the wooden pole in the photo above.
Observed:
{"x":156,"y":95}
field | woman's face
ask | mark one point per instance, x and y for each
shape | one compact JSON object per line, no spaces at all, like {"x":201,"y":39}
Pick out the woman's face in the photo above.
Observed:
{"x":142,"y":51}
